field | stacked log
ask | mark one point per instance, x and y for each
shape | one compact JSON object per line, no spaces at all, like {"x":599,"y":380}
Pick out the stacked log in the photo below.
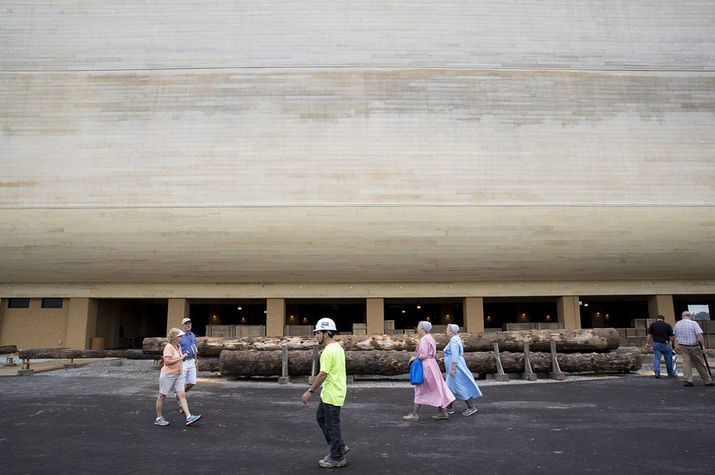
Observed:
{"x":69,"y":354}
{"x":246,"y":363}
{"x":596,"y":339}
{"x":592,"y":350}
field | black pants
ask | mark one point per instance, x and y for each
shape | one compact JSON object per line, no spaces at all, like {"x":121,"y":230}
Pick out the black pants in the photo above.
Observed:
{"x":329,"y":420}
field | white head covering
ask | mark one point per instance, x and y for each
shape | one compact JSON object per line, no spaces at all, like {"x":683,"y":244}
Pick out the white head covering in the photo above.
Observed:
{"x":426,"y":326}
{"x":453,"y":327}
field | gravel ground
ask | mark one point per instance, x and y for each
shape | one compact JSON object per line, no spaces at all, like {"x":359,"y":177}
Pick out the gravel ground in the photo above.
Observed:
{"x":146,"y":371}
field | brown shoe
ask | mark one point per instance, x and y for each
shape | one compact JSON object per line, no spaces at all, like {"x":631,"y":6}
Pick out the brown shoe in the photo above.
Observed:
{"x":411,"y":417}
{"x":440,"y":416}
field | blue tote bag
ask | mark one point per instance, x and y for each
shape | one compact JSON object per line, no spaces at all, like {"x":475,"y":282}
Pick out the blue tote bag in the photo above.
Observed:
{"x":416,"y":375}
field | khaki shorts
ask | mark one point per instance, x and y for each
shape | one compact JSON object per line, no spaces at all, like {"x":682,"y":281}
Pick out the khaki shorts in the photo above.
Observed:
{"x":167,"y":382}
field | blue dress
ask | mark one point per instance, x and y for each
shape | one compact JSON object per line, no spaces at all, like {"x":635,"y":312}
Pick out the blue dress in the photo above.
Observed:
{"x":462,"y":384}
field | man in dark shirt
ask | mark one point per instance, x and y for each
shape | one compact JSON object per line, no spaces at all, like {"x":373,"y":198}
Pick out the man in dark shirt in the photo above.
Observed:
{"x":660,"y":334}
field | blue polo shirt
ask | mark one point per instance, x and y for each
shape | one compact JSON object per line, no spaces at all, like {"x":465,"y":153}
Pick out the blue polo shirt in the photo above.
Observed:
{"x":188,"y":344}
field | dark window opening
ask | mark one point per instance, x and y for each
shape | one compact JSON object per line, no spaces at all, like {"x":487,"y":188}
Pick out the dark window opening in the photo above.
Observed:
{"x":306,"y":313}
{"x":517,"y":314}
{"x":407,"y":313}
{"x":612,"y":312}
{"x":225,"y":312}
{"x":52,"y":303}
{"x":19,"y":303}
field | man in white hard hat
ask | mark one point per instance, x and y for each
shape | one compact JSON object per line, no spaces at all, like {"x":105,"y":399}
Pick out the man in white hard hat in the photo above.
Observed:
{"x":332,"y":396}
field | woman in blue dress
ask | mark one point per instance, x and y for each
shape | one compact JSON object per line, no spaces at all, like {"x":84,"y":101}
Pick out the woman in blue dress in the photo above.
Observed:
{"x":459,"y":378}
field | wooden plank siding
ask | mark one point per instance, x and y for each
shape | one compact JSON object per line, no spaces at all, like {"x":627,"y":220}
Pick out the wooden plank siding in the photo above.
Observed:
{"x":374,"y":141}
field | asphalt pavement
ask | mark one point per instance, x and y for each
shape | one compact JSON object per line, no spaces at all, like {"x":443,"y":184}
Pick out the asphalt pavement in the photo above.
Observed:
{"x":626,"y":424}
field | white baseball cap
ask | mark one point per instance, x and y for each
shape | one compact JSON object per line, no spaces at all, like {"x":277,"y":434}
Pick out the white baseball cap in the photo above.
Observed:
{"x":185,"y":320}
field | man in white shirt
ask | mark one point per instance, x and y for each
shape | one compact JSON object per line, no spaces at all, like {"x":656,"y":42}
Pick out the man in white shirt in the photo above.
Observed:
{"x":688,"y":334}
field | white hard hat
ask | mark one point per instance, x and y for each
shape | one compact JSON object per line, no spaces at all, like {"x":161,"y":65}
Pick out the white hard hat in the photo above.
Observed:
{"x":325,"y":324}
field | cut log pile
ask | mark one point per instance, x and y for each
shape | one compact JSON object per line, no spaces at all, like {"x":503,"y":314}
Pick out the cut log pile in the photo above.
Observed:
{"x":246,"y":363}
{"x":591,"y":350}
{"x":597,"y":339}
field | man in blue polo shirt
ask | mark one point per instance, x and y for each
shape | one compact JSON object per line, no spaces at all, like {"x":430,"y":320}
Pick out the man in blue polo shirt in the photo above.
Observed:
{"x":191,"y":363}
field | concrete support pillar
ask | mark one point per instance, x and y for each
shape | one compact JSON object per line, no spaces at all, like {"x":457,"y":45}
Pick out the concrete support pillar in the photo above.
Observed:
{"x":176,"y":310}
{"x":662,"y":305}
{"x":3,"y":304}
{"x":81,"y":323}
{"x":473,"y":314}
{"x":275,"y":316}
{"x":569,"y":312}
{"x":375,"y":316}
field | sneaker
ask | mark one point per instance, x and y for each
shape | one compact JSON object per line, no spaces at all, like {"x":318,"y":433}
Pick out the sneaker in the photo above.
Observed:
{"x":411,"y":417}
{"x":657,"y":376}
{"x":450,"y":410}
{"x":346,"y":449}
{"x":469,"y":411}
{"x":330,"y":463}
{"x":192,"y":419}
{"x":181,"y":409}
{"x":687,"y":383}
{"x":160,"y":421}
{"x":440,"y":416}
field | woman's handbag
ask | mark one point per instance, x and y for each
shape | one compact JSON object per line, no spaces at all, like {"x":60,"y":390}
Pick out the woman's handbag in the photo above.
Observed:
{"x":416,"y":374}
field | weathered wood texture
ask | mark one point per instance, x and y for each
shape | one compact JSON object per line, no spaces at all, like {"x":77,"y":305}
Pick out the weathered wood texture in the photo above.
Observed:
{"x":63,"y":354}
{"x":7,"y":349}
{"x":520,"y":127}
{"x":597,"y":339}
{"x":584,"y":34}
{"x":358,"y":245}
{"x":389,"y":363}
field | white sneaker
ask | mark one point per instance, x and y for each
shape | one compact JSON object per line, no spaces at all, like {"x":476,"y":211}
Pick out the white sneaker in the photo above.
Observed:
{"x":469,"y":411}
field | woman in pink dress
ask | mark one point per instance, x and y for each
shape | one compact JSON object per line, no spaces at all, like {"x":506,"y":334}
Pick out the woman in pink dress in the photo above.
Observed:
{"x":433,"y":391}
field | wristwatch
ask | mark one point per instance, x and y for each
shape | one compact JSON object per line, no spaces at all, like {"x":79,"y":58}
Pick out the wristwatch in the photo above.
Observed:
{"x":310,"y":391}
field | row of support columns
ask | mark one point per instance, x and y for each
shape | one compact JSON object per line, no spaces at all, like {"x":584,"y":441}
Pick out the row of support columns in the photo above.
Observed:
{"x":82,"y":319}
{"x":567,"y":307}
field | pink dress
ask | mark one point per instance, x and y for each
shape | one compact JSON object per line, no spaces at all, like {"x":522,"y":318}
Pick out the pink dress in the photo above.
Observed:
{"x":434,"y":391}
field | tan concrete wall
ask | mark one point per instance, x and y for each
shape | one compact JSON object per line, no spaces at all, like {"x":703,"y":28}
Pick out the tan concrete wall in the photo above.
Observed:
{"x":473,"y":314}
{"x":661,"y":305}
{"x":375,"y":316}
{"x":177,"y":309}
{"x":275,"y":316}
{"x":34,"y":327}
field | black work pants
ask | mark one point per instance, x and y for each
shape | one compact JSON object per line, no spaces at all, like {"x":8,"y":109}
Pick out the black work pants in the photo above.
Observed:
{"x":329,"y":421}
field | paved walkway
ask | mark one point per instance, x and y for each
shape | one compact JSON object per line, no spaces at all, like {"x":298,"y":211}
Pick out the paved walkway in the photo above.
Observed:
{"x":59,"y":423}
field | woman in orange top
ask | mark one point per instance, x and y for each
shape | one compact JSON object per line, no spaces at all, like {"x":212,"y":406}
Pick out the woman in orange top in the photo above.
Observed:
{"x":172,"y":377}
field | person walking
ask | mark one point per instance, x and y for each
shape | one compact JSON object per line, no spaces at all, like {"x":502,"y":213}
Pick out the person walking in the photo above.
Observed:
{"x":172,"y":377}
{"x":459,"y":378}
{"x":190,"y":365}
{"x":688,"y":334}
{"x":660,"y":336}
{"x":433,"y":391}
{"x":332,"y":396}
